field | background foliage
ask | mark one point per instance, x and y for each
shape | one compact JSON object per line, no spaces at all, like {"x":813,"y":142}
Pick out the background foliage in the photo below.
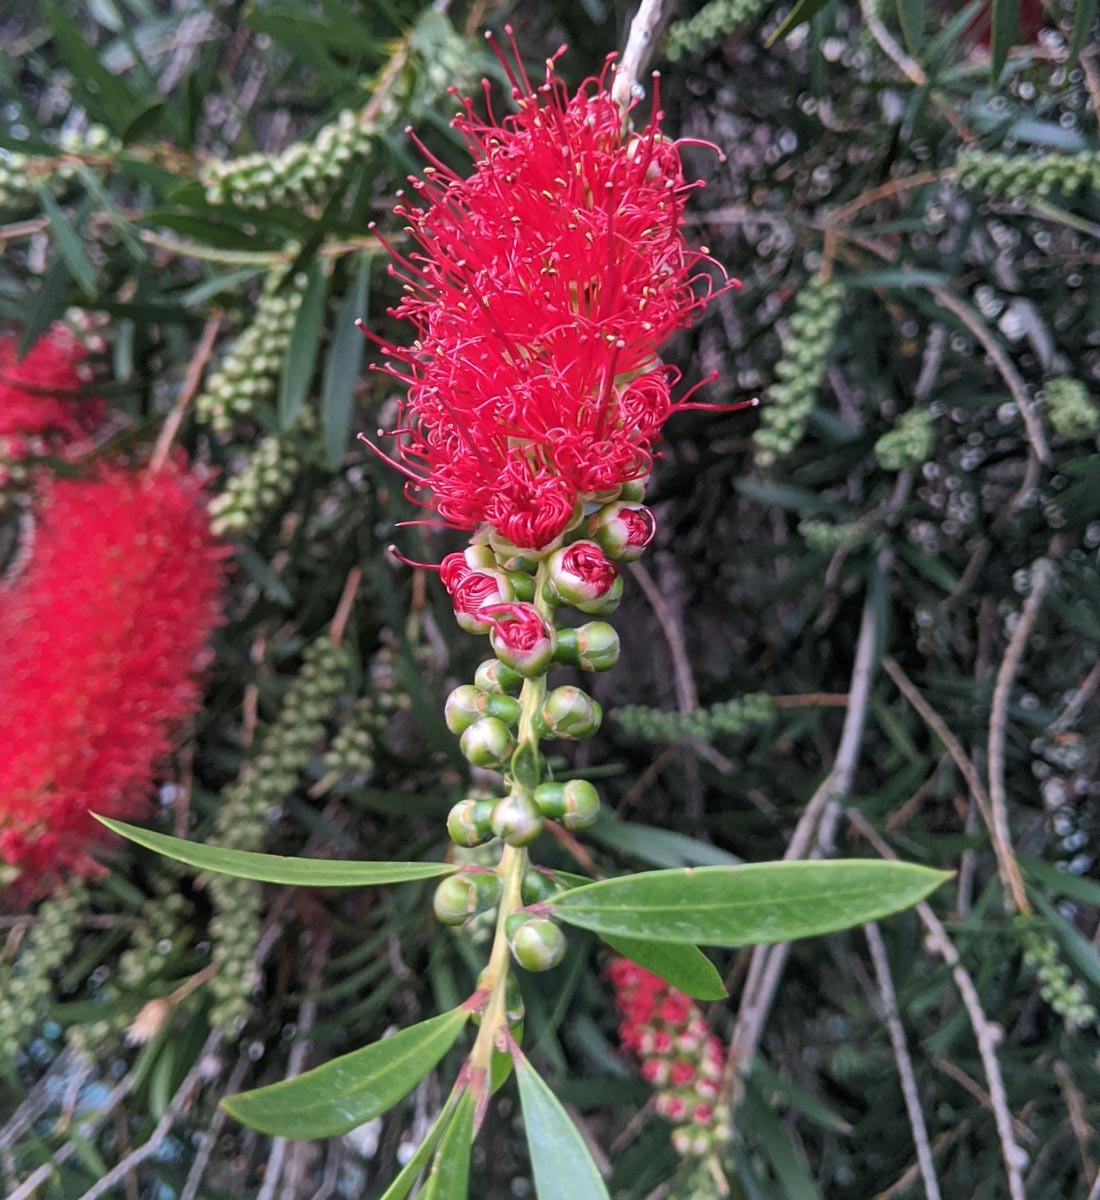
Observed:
{"x":832,"y":575}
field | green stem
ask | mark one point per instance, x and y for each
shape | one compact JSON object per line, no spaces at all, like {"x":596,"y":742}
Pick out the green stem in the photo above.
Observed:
{"x":513,"y":866}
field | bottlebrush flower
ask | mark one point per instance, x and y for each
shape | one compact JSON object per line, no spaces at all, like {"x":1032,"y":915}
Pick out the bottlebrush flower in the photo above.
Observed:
{"x":541,"y":289}
{"x":46,"y":392}
{"x":100,"y":641}
{"x":679,"y":1056}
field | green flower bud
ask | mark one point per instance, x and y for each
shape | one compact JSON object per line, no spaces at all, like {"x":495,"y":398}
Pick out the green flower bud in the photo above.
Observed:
{"x":596,"y":646}
{"x":623,"y":530}
{"x":522,"y":584}
{"x":487,"y":743}
{"x":581,"y":574}
{"x":634,"y":490}
{"x":568,"y":713}
{"x":455,"y":900}
{"x":494,"y":676}
{"x":538,"y":885}
{"x":470,"y":821}
{"x":576,"y":804}
{"x":537,"y":944}
{"x":462,"y":708}
{"x":516,"y":819}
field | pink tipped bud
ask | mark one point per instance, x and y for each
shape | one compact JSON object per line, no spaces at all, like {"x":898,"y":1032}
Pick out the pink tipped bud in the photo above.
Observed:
{"x":473,"y":592}
{"x":581,"y":574}
{"x":623,"y":530}
{"x":521,"y":638}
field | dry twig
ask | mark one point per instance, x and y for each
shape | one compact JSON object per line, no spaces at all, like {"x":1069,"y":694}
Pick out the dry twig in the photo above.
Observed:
{"x":641,"y":41}
{"x":188,"y":390}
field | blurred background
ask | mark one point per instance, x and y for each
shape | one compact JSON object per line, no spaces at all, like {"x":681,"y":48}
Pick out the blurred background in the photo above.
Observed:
{"x":869,"y":623}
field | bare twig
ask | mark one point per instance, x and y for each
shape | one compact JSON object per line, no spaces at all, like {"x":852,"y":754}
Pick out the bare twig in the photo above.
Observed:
{"x":909,"y":1176}
{"x":343,"y":609}
{"x":975,"y":1089}
{"x":687,"y":698}
{"x":987,"y":1033}
{"x":912,"y":70}
{"x":188,"y":390}
{"x":905,"y":1063}
{"x":1078,"y":1118}
{"x":1042,"y":574}
{"x":212,"y":1133}
{"x":641,"y":41}
{"x":767,"y":962}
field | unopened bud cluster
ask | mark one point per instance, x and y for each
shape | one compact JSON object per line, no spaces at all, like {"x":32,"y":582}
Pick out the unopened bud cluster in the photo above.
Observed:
{"x":1057,"y":985}
{"x":712,"y":23}
{"x":26,"y":988}
{"x":1022,"y":177}
{"x":21,"y":175}
{"x":800,"y":370}
{"x":729,"y":718}
{"x":284,"y":749}
{"x":305,"y":174}
{"x":1072,"y":411}
{"x":827,"y":537}
{"x":250,"y":371}
{"x":910,"y":443}
{"x":266,"y":480}
{"x":681,"y":1059}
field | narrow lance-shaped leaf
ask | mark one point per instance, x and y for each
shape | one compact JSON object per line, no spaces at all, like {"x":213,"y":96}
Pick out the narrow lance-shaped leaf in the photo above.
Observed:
{"x":301,"y":352}
{"x":803,"y":11}
{"x":748,"y":905}
{"x":685,"y":967}
{"x":450,"y":1177}
{"x":274,"y":868}
{"x":560,"y":1161}
{"x":345,"y":358}
{"x":413,"y":1169}
{"x":1004,"y":27}
{"x":349,"y":1090}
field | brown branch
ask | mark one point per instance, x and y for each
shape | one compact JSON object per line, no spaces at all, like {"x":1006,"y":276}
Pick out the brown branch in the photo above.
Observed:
{"x":189,"y":389}
{"x":641,"y":42}
{"x":343,"y":609}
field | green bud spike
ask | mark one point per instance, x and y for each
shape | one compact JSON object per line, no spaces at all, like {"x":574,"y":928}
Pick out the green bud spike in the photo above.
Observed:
{"x":568,"y":713}
{"x":469,"y":822}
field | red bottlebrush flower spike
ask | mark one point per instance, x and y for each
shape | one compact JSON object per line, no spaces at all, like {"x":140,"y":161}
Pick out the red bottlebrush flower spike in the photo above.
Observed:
{"x":47,"y":391}
{"x":542,"y":288}
{"x":100,"y":642}
{"x":679,"y":1056}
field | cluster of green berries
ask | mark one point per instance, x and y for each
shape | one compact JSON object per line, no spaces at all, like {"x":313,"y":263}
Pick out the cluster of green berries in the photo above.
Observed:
{"x":249,"y":372}
{"x":1065,"y":994}
{"x":731,"y":717}
{"x":1072,"y":411}
{"x":303,"y":175}
{"x":27,"y":988}
{"x":265,"y":482}
{"x":284,"y":749}
{"x":162,"y":931}
{"x":712,"y":23}
{"x":827,"y":537}
{"x":910,"y":443}
{"x":1020,"y":177}
{"x":800,"y":370}
{"x":21,"y":175}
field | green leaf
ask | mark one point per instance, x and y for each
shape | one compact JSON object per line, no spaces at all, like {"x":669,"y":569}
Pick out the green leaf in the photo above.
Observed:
{"x":1004,"y":27}
{"x":1061,"y":883}
{"x":450,"y":1177}
{"x":345,"y":358}
{"x":660,"y":847}
{"x":410,"y":1173}
{"x":560,"y":1161}
{"x":68,"y":243}
{"x":349,"y":1090}
{"x":779,"y":1149}
{"x":911,"y":16}
{"x":1083,"y":18}
{"x":275,"y":868}
{"x":802,"y":12}
{"x":747,"y":905}
{"x":301,"y":352}
{"x":685,"y":967}
{"x":899,"y":277}
{"x":104,"y":94}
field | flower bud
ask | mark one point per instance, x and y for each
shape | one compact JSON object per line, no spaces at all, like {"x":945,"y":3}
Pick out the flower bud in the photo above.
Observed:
{"x":623,"y":530}
{"x":487,"y":743}
{"x":473,"y":592}
{"x":539,"y":885}
{"x":593,"y":647}
{"x":459,"y":897}
{"x":493,"y":676}
{"x":461,"y":709}
{"x":581,"y":574}
{"x":576,"y":803}
{"x":634,"y":490}
{"x":456,"y":567}
{"x":470,"y":821}
{"x":521,"y":638}
{"x":522,"y":584}
{"x":568,"y":713}
{"x":537,"y":944}
{"x":516,"y":819}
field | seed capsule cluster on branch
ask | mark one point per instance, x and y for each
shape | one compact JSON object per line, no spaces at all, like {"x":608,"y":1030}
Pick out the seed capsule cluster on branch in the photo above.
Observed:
{"x":729,"y":718}
{"x":1072,"y":411}
{"x":910,"y":443}
{"x":712,"y":23}
{"x":1022,"y":177}
{"x":800,"y":370}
